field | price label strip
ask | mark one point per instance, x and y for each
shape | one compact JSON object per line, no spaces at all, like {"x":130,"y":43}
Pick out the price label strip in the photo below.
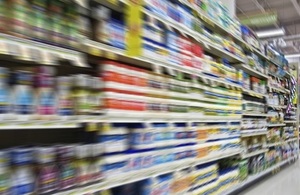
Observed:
{"x":3,"y":47}
{"x":35,"y":54}
{"x":13,"y":49}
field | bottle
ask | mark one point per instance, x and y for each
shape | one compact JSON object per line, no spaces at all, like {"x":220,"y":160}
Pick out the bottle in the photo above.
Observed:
{"x":47,"y":172}
{"x":81,"y":94}
{"x":45,"y":93}
{"x":23,"y":95}
{"x":64,"y":98}
{"x":4,"y":94}
{"x":4,"y":173}
{"x":22,"y":178}
{"x":95,"y":162}
{"x":82,"y":166}
{"x":66,"y":166}
{"x":18,"y":14}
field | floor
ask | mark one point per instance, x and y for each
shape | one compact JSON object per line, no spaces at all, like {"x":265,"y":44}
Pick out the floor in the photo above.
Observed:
{"x":285,"y":182}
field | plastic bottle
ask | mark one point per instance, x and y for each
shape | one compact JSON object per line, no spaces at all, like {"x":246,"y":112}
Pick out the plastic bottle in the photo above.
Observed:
{"x":64,"y":98}
{"x":22,"y":179}
{"x":95,"y":163}
{"x":82,"y":153}
{"x":38,"y":20}
{"x":4,"y":174}
{"x":66,"y":166}
{"x":81,"y":94}
{"x":47,"y":174}
{"x":4,"y":94}
{"x":18,"y":13}
{"x":3,"y":16}
{"x":45,"y":93}
{"x":23,"y":95}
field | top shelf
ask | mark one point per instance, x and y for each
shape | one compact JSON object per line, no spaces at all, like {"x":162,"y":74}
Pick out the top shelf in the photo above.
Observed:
{"x":208,"y":22}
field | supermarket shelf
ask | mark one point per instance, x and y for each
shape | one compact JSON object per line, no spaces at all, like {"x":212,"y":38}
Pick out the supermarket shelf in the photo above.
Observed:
{"x":276,"y":107}
{"x":254,"y":132}
{"x":255,"y":114}
{"x":274,"y":144}
{"x":244,"y":156}
{"x":32,"y":52}
{"x":293,"y":122}
{"x":291,"y":140}
{"x":143,"y":117}
{"x":144,"y":174}
{"x":279,"y":90}
{"x":253,"y":93}
{"x":15,"y":125}
{"x":276,"y":125}
{"x":219,"y":28}
{"x":251,"y":71}
{"x":110,"y":118}
{"x":211,"y":159}
{"x":101,"y":50}
{"x":208,"y":45}
{"x":253,"y":178}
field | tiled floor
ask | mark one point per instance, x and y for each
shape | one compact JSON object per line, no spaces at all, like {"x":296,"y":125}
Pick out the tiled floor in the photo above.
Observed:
{"x":286,"y":182}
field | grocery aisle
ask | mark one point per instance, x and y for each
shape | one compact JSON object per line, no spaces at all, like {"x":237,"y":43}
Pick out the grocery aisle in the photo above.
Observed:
{"x":287,"y":182}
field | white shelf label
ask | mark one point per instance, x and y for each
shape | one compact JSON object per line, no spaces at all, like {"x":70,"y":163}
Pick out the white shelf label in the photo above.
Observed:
{"x":3,"y":47}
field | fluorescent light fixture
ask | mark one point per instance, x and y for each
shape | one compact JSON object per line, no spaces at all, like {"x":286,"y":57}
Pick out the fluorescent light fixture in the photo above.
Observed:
{"x":270,"y":33}
{"x":292,"y":55}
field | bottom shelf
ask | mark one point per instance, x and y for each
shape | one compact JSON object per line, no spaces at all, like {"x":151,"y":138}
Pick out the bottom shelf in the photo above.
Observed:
{"x":140,"y":175}
{"x":252,"y":178}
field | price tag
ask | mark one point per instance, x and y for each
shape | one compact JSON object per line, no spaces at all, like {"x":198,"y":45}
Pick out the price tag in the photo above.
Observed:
{"x":190,"y":126}
{"x":111,"y":55}
{"x":171,"y":126}
{"x":194,"y":78}
{"x":80,"y":61}
{"x":148,"y":125}
{"x":106,"y":127}
{"x":115,"y":2}
{"x":52,"y":58}
{"x":24,"y":124}
{"x":106,"y":192}
{"x":205,"y":44}
{"x":96,"y":52}
{"x":24,"y":54}
{"x":3,"y":47}
{"x":35,"y":54}
{"x":157,"y":68}
{"x":13,"y":49}
{"x":92,"y":127}
{"x":171,"y":71}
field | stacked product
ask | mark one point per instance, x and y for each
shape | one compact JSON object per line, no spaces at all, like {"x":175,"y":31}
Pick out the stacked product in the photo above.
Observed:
{"x":158,"y":40}
{"x":52,"y":22}
{"x":133,"y":148}
{"x":34,"y":97}
{"x":249,"y":37}
{"x":143,"y":92}
{"x":256,"y":63}
{"x":49,"y":169}
{"x":276,"y":57}
{"x":146,"y":149}
{"x":253,"y":83}
{"x":253,"y":126}
{"x":253,"y":107}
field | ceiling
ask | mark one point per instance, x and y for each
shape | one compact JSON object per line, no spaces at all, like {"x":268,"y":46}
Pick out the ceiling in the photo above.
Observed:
{"x":288,"y":17}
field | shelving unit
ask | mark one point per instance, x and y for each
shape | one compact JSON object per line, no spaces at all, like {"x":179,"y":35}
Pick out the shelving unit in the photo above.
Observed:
{"x":186,"y":116}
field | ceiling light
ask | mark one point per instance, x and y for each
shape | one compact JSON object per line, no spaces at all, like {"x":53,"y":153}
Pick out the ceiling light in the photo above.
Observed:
{"x":292,"y":55}
{"x":270,"y":33}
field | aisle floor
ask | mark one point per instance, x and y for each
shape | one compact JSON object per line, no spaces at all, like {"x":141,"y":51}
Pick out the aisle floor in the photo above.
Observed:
{"x":286,"y":182}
